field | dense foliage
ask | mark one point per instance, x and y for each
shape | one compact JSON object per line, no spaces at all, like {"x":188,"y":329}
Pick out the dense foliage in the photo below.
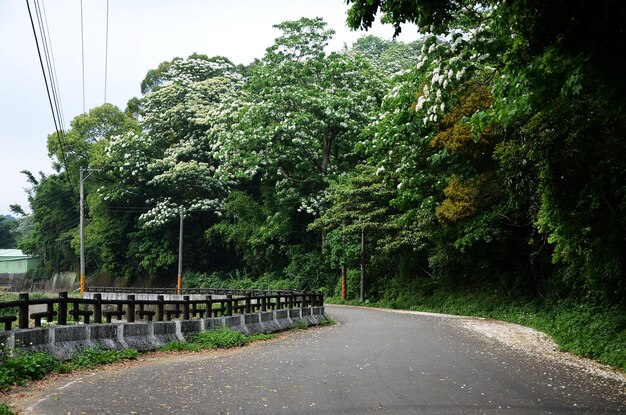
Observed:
{"x":8,"y":227}
{"x":488,"y":156}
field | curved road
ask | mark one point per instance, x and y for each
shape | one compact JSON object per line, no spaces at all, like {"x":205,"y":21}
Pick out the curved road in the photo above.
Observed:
{"x":372,"y":362}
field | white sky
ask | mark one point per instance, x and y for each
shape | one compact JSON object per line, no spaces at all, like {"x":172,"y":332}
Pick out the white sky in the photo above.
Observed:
{"x":142,"y":34}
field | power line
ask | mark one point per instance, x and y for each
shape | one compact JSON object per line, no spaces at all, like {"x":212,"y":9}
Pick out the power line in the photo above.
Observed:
{"x":60,"y":228}
{"x":106,"y":55}
{"x":82,"y":46}
{"x":55,"y":78}
{"x":55,"y":115}
{"x":46,"y":43}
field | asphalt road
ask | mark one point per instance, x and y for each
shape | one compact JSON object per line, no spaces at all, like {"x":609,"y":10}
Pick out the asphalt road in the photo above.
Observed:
{"x":372,"y":362}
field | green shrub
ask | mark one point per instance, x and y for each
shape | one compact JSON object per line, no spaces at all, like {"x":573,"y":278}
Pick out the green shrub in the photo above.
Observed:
{"x":301,"y":324}
{"x":237,"y":282}
{"x":96,"y":356}
{"x":11,"y":311}
{"x":20,"y":369}
{"x":221,"y":338}
{"x":328,"y":321}
{"x":5,"y":409}
{"x":260,"y":337}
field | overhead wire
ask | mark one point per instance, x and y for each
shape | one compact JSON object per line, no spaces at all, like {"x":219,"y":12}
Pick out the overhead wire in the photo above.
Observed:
{"x":60,"y":228}
{"x":55,"y":115}
{"x":82,"y":48}
{"x":52,"y":66}
{"x":106,"y":54}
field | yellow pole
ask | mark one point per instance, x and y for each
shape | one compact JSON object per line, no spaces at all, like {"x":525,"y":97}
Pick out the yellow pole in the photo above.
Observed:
{"x":83,"y":284}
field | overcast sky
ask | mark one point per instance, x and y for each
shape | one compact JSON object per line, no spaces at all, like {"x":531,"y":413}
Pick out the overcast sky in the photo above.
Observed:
{"x":142,"y":34}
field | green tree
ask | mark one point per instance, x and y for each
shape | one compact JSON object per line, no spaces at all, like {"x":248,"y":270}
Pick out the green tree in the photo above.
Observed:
{"x":387,"y":56}
{"x":294,"y":133}
{"x":54,"y":205}
{"x":544,"y":73}
{"x":359,"y":218}
{"x":305,"y":113}
{"x":7,"y":230}
{"x":169,"y":164}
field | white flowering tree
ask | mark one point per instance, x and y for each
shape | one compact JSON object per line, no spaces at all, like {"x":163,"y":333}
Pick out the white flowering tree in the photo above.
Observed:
{"x":304,"y":113}
{"x":170,"y":163}
{"x":296,"y":132}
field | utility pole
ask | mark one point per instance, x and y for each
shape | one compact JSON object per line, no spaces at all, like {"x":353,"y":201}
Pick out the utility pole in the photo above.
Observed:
{"x":362,"y":292}
{"x":180,"y":253}
{"x":343,"y":266}
{"x":83,"y":280}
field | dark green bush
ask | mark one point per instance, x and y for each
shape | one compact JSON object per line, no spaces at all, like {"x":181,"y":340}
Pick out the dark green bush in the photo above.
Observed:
{"x":221,"y":338}
{"x":96,"y":356}
{"x":20,"y":369}
{"x":5,"y":409}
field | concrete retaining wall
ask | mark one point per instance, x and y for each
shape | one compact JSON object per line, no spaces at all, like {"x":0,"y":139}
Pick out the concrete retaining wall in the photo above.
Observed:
{"x":63,"y":341}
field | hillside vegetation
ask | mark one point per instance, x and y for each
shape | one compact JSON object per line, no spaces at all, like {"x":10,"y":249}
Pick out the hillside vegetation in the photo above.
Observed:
{"x":480,"y":168}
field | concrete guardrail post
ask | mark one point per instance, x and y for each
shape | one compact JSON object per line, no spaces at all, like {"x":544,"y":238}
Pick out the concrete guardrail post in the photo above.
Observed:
{"x":209,"y":306}
{"x":229,"y":305}
{"x":248,"y":304}
{"x":23,"y":308}
{"x":160,"y":308}
{"x":97,"y":308}
{"x":130,"y":310}
{"x":62,"y":317}
{"x":185,"y":307}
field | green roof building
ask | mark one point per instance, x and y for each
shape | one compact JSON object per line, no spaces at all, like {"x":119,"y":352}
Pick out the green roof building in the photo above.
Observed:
{"x":13,"y":261}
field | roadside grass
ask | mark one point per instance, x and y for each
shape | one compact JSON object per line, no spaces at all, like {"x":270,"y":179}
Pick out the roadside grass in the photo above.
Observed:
{"x":586,"y":330}
{"x":301,"y":325}
{"x":96,"y":356}
{"x":221,"y":338}
{"x":21,"y":368}
{"x":328,"y":321}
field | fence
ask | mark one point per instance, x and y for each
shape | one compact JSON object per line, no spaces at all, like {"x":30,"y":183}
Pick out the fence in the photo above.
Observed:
{"x":97,"y":309}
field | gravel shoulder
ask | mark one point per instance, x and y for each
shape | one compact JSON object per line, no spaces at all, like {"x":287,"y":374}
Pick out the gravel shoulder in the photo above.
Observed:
{"x":526,"y":340}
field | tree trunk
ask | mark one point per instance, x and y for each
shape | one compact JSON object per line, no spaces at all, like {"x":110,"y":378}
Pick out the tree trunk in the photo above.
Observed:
{"x":326,"y":155}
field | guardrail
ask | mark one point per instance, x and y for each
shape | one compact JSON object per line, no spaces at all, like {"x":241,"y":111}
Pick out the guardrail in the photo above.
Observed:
{"x":99,"y":310}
